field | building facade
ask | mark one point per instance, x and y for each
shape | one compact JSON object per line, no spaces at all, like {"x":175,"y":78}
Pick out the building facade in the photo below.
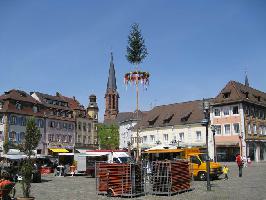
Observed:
{"x":59,"y":122}
{"x":16,"y":107}
{"x":174,"y":124}
{"x":86,"y":123}
{"x":239,"y":115}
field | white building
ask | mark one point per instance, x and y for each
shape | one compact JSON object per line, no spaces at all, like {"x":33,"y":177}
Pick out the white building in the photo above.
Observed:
{"x":178,"y":124}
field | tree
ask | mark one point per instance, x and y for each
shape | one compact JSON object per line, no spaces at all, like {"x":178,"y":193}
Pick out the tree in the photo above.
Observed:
{"x":32,"y":139}
{"x":136,"y":49}
{"x":108,"y":136}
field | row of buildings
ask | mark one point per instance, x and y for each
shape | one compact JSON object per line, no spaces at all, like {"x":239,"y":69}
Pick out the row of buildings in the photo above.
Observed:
{"x":63,"y":122}
{"x":237,"y":122}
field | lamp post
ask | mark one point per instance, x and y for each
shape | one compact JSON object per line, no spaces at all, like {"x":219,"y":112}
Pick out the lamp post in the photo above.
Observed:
{"x":213,"y":128}
{"x":205,"y":122}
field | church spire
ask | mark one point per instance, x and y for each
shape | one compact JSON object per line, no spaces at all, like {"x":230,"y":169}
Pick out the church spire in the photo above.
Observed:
{"x":246,"y":80}
{"x":111,"y":84}
{"x":111,"y":95}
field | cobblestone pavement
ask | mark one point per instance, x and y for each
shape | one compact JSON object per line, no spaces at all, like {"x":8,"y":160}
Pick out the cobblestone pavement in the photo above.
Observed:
{"x":251,"y":186}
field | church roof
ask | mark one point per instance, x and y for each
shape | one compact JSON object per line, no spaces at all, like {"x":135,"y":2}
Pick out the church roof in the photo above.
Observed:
{"x":111,"y":84}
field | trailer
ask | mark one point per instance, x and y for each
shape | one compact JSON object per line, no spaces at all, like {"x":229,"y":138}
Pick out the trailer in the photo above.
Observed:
{"x":86,"y":161}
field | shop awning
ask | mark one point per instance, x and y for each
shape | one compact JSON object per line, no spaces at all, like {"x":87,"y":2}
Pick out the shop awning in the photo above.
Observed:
{"x":59,"y":150}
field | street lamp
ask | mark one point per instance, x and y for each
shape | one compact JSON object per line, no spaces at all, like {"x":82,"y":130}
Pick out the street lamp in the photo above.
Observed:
{"x":205,"y":122}
{"x":213,"y":128}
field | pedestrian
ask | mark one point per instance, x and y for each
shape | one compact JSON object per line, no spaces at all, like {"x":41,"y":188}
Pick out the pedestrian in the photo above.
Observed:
{"x":239,"y":162}
{"x":245,"y":161}
{"x":225,"y":172}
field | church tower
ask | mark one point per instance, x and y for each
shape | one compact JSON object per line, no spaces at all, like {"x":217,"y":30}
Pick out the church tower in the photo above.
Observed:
{"x":92,"y":110}
{"x":111,"y":95}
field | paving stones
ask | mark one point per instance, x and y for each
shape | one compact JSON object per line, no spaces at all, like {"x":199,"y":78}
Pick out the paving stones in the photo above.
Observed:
{"x":251,"y":186}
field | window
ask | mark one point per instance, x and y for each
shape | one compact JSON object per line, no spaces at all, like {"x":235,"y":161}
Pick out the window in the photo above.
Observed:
{"x":58,"y":138}
{"x":64,"y":138}
{"x":198,"y":134}
{"x":65,"y":126}
{"x":22,"y":136}
{"x":218,"y":129}
{"x":181,"y":136}
{"x":217,"y":112}
{"x":264,"y":130}
{"x":1,"y":105}
{"x":84,"y":139}
{"x":227,"y":129}
{"x":144,"y":139}
{"x":226,"y":111}
{"x":1,"y":135}
{"x":249,"y":129}
{"x":254,"y":129}
{"x":261,"y":130}
{"x":195,"y":160}
{"x":152,"y":138}
{"x":236,"y":128}
{"x":79,"y":125}
{"x":89,"y":127}
{"x":165,"y":137}
{"x":12,"y":136}
{"x":52,"y":124}
{"x":84,"y":127}
{"x":226,"y":95}
{"x":50,"y":137}
{"x":13,"y":120}
{"x":235,"y":110}
{"x":70,"y":138}
{"x":40,"y":123}
{"x":58,"y":125}
{"x":23,"y":121}
{"x":79,"y":138}
{"x":35,"y":109}
{"x":18,"y":106}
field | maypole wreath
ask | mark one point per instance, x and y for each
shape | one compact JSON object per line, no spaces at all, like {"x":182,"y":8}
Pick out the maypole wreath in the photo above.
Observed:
{"x":136,"y":77}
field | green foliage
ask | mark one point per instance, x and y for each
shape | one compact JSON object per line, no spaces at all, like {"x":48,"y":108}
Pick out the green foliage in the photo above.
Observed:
{"x":108,"y":136}
{"x":32,"y":138}
{"x":9,"y":145}
{"x":26,"y":171}
{"x":136,"y":49}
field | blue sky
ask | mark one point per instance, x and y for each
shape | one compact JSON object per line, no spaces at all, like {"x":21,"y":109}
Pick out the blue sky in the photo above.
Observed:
{"x":195,"y":47}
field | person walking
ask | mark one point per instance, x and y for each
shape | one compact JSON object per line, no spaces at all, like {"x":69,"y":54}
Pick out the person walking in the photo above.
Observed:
{"x":225,"y":172}
{"x":239,"y":162}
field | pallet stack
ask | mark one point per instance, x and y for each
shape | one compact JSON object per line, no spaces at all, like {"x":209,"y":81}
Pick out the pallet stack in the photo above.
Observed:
{"x":170,"y":177}
{"x":180,"y":176}
{"x":118,"y":179}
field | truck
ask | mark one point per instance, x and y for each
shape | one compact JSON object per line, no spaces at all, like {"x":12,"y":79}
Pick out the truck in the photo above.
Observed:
{"x":86,"y":161}
{"x":197,"y":160}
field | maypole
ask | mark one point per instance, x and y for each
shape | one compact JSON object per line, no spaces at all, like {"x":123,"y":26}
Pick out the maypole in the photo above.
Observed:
{"x":136,"y":52}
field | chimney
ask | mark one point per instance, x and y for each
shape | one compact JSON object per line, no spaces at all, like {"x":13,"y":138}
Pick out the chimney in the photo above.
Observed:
{"x":74,"y":98}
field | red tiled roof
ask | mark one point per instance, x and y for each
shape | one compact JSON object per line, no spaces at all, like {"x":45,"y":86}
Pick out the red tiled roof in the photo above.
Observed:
{"x":240,"y":92}
{"x":18,"y":95}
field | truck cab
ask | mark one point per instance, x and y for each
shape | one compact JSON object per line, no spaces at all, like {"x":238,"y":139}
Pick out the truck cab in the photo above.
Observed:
{"x":199,"y":166}
{"x":196,"y":158}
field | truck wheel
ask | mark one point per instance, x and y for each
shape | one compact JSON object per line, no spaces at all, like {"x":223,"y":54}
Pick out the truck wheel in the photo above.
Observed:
{"x":202,"y":176}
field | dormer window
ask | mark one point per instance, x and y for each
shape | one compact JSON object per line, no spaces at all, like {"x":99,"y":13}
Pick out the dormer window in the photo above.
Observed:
{"x":153,"y":120}
{"x":258,"y":98}
{"x":186,"y":117}
{"x":18,"y":106}
{"x":168,"y":118}
{"x":35,"y":109}
{"x":226,"y":95}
